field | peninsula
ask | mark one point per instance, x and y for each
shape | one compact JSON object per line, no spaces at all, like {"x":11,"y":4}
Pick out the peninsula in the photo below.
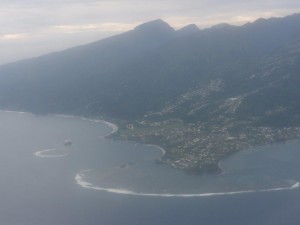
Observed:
{"x":199,"y":147}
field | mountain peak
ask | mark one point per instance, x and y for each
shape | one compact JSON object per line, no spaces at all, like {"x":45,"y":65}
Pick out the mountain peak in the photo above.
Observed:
{"x":155,"y":26}
{"x":189,"y":29}
{"x":222,"y":26}
{"x":260,"y":20}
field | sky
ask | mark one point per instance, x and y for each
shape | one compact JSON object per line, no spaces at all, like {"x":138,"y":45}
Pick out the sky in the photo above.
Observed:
{"x":31,"y":28}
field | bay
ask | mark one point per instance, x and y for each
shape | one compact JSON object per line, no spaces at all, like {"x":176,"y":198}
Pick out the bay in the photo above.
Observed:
{"x":258,"y":186}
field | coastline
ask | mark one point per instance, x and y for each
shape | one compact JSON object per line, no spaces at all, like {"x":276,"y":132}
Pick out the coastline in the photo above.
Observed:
{"x":43,"y":153}
{"x":113,"y":126}
{"x":157,"y":146}
{"x":80,"y":177}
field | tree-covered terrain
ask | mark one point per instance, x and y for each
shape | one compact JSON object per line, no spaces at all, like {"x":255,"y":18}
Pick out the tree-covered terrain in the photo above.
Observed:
{"x":200,"y":94}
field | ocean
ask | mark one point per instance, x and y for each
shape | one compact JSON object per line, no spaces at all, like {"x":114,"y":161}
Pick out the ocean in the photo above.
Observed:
{"x":62,"y":170}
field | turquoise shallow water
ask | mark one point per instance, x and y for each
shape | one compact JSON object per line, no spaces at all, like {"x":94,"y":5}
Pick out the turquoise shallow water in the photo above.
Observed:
{"x":95,"y":179}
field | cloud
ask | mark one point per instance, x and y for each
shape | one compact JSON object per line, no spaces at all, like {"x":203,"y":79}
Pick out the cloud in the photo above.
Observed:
{"x":13,"y":36}
{"x":30,"y":23}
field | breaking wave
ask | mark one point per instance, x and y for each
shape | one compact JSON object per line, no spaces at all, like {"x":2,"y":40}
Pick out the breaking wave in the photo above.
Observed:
{"x":113,"y":126}
{"x":50,"y":153}
{"x":81,"y":181}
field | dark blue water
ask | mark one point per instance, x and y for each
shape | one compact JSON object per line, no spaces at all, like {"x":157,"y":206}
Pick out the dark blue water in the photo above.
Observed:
{"x":44,"y":191}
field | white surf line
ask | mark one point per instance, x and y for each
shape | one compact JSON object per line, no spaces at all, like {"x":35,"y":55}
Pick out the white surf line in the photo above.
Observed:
{"x":160,"y":148}
{"x":43,"y":153}
{"x":113,"y":126}
{"x":66,"y":116}
{"x":9,"y":111}
{"x":80,"y":181}
{"x":223,"y":171}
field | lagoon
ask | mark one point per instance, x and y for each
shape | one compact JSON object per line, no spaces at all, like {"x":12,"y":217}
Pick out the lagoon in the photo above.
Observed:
{"x":100,"y":181}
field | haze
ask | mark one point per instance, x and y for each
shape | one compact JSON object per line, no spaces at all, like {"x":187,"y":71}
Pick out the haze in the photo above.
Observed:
{"x":31,"y":27}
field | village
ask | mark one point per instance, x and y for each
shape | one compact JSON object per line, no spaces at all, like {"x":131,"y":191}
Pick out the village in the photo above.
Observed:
{"x":199,"y":147}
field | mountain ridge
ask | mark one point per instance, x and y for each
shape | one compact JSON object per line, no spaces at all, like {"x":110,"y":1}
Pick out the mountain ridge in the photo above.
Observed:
{"x":200,"y":94}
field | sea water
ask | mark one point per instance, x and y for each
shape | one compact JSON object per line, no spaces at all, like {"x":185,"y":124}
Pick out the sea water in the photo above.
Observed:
{"x":94,"y":180}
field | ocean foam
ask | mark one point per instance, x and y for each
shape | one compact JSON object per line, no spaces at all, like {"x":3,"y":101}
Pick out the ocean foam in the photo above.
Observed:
{"x":43,"y":153}
{"x":160,"y":148}
{"x":80,"y":181}
{"x":113,"y":126}
{"x":19,"y":112}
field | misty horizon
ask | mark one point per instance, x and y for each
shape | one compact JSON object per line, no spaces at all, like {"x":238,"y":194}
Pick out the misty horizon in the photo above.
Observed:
{"x":31,"y":28}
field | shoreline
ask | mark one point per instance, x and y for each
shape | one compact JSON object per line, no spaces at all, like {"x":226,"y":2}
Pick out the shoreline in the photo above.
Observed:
{"x":84,"y":184}
{"x":114,"y":129}
{"x":157,"y":146}
{"x":113,"y":126}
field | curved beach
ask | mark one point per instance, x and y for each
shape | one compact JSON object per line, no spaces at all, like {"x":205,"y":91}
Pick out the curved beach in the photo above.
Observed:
{"x":160,"y":148}
{"x":113,"y":126}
